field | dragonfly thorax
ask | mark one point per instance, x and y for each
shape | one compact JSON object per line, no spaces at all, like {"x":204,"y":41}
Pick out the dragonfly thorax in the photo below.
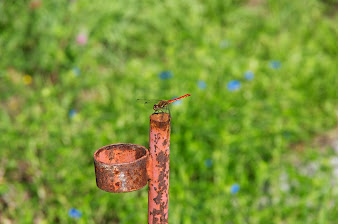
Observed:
{"x":162,"y":104}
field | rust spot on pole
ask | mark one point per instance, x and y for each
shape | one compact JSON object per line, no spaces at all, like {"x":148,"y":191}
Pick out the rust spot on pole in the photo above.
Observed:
{"x":158,"y":188}
{"x":121,"y":167}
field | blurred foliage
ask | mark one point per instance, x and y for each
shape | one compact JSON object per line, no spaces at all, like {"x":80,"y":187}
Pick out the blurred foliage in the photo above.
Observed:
{"x":70,"y":74}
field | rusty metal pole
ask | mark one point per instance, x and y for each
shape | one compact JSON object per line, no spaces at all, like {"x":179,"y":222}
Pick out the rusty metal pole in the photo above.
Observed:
{"x":121,"y":167}
{"x":158,"y":168}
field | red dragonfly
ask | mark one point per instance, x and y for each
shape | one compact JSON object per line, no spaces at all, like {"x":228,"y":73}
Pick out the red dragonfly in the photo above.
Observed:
{"x":163,"y":104}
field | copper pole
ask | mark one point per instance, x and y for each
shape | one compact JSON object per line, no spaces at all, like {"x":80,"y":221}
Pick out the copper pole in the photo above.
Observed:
{"x":158,"y":168}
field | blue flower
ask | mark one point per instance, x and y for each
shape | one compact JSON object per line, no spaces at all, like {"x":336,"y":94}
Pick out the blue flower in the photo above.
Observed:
{"x":234,"y":188}
{"x":74,"y":213}
{"x":287,"y":134}
{"x":177,"y":102}
{"x":208,"y":163}
{"x":275,"y":64}
{"x":201,"y":84}
{"x":165,"y":75}
{"x":72,"y":113}
{"x":224,"y":43}
{"x":249,"y":75}
{"x":234,"y":85}
{"x":76,"y":71}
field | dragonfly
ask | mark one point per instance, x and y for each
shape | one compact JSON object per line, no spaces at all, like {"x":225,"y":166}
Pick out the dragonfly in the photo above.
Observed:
{"x":163,"y":104}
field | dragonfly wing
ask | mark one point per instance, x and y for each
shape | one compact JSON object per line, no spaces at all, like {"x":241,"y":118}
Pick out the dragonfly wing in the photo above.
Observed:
{"x":146,"y":101}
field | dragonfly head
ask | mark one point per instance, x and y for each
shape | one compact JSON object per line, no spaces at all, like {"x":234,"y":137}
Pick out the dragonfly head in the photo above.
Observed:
{"x":156,"y":107}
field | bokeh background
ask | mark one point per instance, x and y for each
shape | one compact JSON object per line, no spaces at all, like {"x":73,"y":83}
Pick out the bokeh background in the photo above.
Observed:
{"x":256,"y":142}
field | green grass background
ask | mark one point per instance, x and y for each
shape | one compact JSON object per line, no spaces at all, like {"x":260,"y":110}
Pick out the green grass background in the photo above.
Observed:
{"x":219,"y":137}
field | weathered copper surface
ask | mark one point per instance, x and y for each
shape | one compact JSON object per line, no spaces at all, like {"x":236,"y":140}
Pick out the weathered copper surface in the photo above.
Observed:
{"x":158,"y":188}
{"x":121,"y":167}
